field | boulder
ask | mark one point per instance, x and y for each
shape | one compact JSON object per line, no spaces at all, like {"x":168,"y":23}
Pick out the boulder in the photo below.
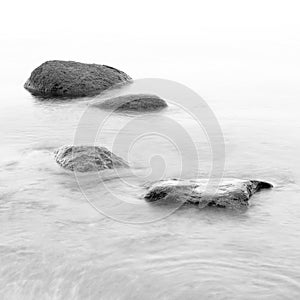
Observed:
{"x":232,"y":193}
{"x":134,"y":102}
{"x":87,"y":158}
{"x":70,"y":79}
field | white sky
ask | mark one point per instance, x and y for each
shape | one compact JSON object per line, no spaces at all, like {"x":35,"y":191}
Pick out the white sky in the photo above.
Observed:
{"x":223,"y":49}
{"x":177,"y":18}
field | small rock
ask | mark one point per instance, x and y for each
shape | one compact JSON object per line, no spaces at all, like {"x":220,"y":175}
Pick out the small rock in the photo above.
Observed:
{"x":232,"y":193}
{"x":87,"y":158}
{"x":134,"y":102}
{"x":63,"y":79}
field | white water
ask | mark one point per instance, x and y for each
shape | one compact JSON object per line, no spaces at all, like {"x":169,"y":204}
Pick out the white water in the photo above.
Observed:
{"x":55,"y":245}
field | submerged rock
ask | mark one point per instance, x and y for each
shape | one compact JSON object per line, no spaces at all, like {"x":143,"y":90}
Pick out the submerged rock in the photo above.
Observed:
{"x":232,"y":193}
{"x":57,"y":78}
{"x":87,"y":158}
{"x":133,"y":102}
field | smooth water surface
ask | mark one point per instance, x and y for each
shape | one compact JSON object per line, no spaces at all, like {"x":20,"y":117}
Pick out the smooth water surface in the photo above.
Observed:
{"x":55,"y":245}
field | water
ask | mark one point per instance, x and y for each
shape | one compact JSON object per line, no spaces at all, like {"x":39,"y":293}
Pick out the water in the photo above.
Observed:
{"x":55,"y":245}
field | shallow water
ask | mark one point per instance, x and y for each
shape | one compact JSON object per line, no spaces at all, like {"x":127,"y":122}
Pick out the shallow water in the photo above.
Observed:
{"x":57,"y":245}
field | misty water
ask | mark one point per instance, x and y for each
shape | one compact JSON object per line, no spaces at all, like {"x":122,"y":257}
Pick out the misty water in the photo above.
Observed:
{"x":94,"y":237}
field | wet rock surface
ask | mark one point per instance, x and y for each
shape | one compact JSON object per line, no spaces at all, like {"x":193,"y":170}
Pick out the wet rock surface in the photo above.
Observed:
{"x":70,"y":79}
{"x":133,"y":102}
{"x":231,"y":193}
{"x":88,"y":158}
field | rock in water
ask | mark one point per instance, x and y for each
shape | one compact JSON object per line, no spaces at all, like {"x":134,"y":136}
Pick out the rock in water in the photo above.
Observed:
{"x":57,"y":78}
{"x":134,"y":102}
{"x":232,"y":193}
{"x":87,"y":158}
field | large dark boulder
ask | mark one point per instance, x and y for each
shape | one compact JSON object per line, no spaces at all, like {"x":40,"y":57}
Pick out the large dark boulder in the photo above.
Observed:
{"x":232,"y":193}
{"x":88,"y":158}
{"x":57,"y":78}
{"x":133,"y":102}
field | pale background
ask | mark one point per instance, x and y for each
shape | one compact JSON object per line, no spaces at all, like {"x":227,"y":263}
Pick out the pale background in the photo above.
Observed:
{"x":232,"y":49}
{"x":242,"y":57}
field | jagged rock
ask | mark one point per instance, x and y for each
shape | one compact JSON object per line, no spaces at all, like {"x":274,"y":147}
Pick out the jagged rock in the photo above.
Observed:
{"x":57,"y":78}
{"x":133,"y":102}
{"x":232,"y":193}
{"x":87,"y":158}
